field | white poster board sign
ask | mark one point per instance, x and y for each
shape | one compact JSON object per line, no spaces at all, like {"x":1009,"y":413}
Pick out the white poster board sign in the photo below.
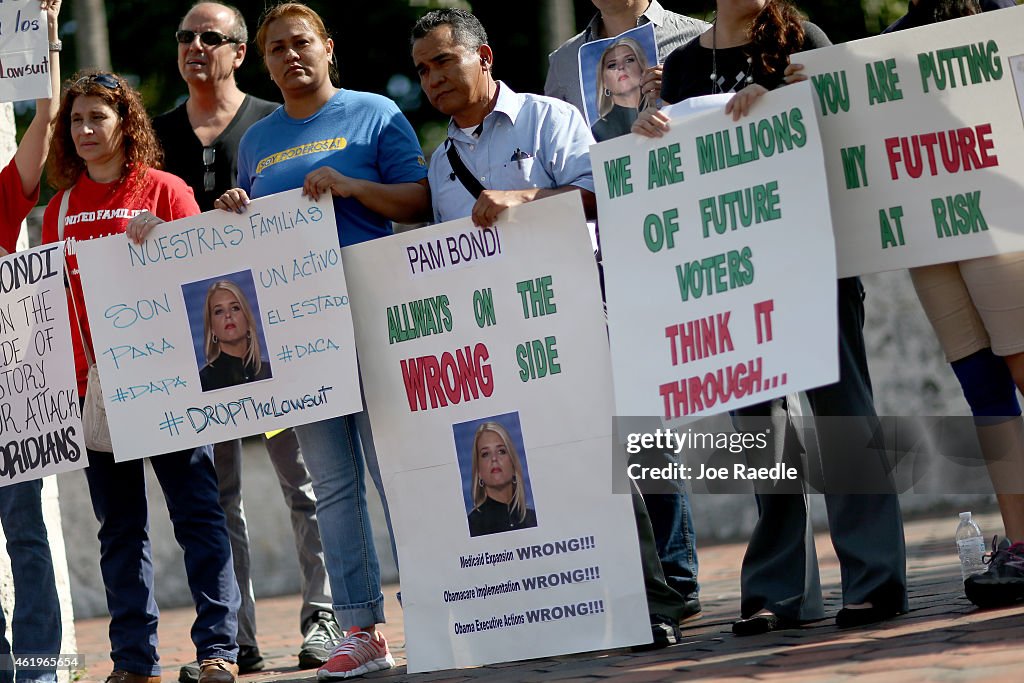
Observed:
{"x":24,"y":51}
{"x":270,"y":280}
{"x":924,"y":142}
{"x":461,"y":329}
{"x":40,"y":418}
{"x":719,"y":260}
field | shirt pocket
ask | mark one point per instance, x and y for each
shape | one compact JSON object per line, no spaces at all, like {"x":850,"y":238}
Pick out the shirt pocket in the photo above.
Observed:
{"x":520,"y":175}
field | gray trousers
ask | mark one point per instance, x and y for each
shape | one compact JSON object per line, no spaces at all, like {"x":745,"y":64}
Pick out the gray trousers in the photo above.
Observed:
{"x":780,"y":567}
{"x":297,"y":488}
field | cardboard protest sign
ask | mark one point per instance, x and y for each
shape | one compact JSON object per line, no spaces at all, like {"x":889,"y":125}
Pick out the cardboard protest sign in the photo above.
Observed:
{"x":486,"y":372}
{"x":610,"y":74}
{"x":719,"y":261}
{"x":924,"y":142}
{"x":24,"y":51}
{"x":40,"y":418}
{"x":221,"y":325}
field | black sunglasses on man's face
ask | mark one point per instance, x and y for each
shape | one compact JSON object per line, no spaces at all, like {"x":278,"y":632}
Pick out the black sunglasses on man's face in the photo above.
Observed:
{"x":209,"y":38}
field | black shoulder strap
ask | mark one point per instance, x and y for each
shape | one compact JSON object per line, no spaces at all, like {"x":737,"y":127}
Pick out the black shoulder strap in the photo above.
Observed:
{"x":467,"y":179}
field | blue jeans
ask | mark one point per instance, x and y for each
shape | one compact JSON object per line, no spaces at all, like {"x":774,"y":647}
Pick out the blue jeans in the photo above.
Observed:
{"x":676,"y":539}
{"x":189,"y":484}
{"x":36,"y":619}
{"x":334,"y":456}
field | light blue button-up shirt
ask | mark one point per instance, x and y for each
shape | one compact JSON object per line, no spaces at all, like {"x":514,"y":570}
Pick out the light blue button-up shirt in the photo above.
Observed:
{"x":526,"y":141}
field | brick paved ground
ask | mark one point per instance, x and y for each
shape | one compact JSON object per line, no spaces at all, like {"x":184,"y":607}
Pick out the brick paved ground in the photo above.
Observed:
{"x":942,"y":638}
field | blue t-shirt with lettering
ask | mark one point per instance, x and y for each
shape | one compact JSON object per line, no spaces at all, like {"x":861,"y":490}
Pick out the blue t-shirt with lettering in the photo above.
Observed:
{"x":361,"y":135}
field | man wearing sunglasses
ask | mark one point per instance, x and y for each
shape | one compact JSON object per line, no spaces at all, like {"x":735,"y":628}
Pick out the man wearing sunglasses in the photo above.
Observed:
{"x":200,"y":139}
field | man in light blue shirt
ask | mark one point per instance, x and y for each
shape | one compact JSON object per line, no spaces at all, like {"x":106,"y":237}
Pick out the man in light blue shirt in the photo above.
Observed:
{"x":513,"y":147}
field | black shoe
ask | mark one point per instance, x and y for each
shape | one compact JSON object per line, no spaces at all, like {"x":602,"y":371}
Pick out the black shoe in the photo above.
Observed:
{"x":249,"y":660}
{"x":1003,"y":582}
{"x":762,"y":623}
{"x":851,"y":618}
{"x":691,"y":610}
{"x":664,"y":632}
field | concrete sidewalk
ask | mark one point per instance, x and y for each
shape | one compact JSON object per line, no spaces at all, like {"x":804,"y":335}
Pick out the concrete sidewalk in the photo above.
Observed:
{"x":942,"y":638}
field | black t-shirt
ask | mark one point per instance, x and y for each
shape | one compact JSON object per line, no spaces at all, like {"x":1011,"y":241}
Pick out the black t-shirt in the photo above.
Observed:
{"x":687,"y":71}
{"x":183,"y":152}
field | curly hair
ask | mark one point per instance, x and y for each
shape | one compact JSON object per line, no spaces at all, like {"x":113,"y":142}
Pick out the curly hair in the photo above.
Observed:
{"x":142,"y":151}
{"x":777,"y":32}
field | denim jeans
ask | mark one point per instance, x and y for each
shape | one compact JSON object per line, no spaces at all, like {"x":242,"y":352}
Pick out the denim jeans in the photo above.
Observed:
{"x":676,"y":539}
{"x":36,"y":621}
{"x":334,"y":456}
{"x":189,"y":484}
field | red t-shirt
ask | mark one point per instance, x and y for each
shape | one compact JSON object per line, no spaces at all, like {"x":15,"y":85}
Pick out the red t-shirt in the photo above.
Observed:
{"x":15,"y":206}
{"x":97,"y":210}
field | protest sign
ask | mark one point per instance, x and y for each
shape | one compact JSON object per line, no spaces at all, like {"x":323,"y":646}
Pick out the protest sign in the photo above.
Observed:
{"x":610,"y":74}
{"x":24,"y":51}
{"x":491,"y":342}
{"x":40,"y":418}
{"x":924,"y":142}
{"x":179,"y":322}
{"x":719,"y":261}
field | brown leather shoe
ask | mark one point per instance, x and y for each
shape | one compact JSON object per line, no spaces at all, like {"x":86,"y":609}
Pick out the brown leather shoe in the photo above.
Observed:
{"x":217,"y":671}
{"x":118,"y":676}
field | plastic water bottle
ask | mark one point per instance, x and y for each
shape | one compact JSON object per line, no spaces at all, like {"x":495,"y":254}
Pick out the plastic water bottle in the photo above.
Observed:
{"x":971,"y":545}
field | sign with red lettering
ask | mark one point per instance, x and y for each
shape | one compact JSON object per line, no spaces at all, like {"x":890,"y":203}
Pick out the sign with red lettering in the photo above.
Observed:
{"x":487,"y":380}
{"x":719,"y":260}
{"x":924,"y":142}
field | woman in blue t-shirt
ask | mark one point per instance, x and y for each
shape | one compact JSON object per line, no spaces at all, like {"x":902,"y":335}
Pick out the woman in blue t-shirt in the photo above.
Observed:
{"x":360,"y":148}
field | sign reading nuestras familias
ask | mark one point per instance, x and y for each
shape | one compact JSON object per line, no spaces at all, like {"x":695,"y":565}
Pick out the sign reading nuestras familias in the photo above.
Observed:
{"x":719,"y":260}
{"x":221,"y":325}
{"x":24,"y":51}
{"x":488,"y":385}
{"x":924,"y":141}
{"x":40,"y":419}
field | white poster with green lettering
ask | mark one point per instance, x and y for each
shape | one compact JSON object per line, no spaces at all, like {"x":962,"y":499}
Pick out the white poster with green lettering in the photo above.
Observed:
{"x":719,"y":260}
{"x":485,"y":363}
{"x":924,"y":142}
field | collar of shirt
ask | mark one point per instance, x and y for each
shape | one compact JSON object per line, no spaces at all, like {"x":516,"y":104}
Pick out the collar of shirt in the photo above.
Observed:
{"x":655,"y":14}
{"x":508,"y":104}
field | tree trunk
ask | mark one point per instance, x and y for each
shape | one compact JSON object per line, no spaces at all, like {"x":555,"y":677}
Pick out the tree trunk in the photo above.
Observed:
{"x":91,"y":39}
{"x":558,"y":23}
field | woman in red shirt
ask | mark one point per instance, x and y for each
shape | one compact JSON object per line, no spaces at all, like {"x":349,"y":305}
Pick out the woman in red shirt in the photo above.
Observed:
{"x":103,"y":161}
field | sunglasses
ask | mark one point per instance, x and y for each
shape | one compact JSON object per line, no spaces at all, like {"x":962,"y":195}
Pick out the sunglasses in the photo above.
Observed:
{"x":209,"y":173}
{"x":108,"y":81}
{"x":209,"y":38}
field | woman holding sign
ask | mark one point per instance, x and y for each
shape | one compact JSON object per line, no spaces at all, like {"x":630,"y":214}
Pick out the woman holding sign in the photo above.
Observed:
{"x":103,"y":162}
{"x":977,"y":310}
{"x":36,"y":624}
{"x":619,"y":73}
{"x":746,"y":52}
{"x":359,"y":148}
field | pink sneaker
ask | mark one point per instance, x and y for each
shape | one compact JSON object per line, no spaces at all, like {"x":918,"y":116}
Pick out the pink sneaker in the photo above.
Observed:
{"x":357,"y":654}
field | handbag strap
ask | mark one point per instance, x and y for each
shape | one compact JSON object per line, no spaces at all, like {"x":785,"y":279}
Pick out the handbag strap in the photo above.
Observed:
{"x":61,"y":216}
{"x":467,"y":179}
